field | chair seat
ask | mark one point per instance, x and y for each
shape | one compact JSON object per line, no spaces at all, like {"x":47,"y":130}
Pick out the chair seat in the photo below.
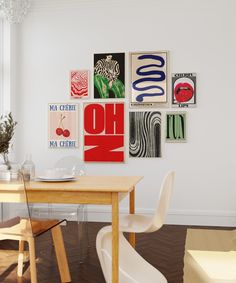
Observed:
{"x":135,"y":223}
{"x":10,"y":222}
{"x":210,"y":267}
{"x":17,"y":226}
{"x":40,"y":226}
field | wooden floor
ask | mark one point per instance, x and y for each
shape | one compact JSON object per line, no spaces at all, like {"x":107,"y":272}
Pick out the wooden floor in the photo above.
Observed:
{"x":164,"y":249}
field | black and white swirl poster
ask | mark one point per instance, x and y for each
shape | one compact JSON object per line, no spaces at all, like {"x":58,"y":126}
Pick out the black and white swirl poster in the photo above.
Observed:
{"x":145,"y":134}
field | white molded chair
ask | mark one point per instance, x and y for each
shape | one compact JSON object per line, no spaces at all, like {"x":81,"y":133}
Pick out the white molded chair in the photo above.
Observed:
{"x":132,"y":267}
{"x":145,"y":224}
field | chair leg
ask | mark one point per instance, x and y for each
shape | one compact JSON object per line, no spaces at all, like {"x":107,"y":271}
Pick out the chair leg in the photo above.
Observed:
{"x":82,"y":232}
{"x":85,"y":212}
{"x":33,"y":272}
{"x":61,"y":254}
{"x":20,"y":258}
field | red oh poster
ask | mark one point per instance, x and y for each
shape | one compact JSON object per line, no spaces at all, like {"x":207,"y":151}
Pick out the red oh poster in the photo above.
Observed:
{"x":104,"y":132}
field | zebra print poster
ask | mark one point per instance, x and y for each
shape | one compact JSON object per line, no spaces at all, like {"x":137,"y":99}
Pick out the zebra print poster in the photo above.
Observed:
{"x":145,"y":134}
{"x":149,"y":79}
{"x":109,"y":75}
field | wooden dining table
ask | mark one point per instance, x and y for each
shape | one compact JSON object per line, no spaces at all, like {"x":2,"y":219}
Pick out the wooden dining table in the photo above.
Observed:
{"x":98,"y":190}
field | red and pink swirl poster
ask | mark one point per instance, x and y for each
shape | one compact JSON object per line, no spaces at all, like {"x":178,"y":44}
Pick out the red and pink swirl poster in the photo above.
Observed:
{"x":79,"y":83}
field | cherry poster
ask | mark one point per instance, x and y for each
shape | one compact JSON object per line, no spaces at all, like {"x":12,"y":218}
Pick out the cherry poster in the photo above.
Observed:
{"x":63,"y":125}
{"x":104,"y":132}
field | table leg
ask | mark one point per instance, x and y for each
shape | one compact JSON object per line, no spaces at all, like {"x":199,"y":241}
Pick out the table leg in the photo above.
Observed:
{"x":115,"y":238}
{"x":132,"y":211}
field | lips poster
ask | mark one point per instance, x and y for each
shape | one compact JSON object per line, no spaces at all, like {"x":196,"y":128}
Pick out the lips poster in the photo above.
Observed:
{"x":104,"y":132}
{"x":184,"y":90}
{"x":63,"y":125}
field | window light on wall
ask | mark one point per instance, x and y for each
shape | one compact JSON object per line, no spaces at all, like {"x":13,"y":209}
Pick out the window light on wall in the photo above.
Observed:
{"x":14,"y":10}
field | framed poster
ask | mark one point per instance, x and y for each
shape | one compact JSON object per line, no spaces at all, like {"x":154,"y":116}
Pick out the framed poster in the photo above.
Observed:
{"x":148,"y":79}
{"x":104,"y":132}
{"x":184,"y":90}
{"x":176,"y":127}
{"x":145,"y":134}
{"x":109,"y":75}
{"x":63,"y":125}
{"x":79,"y":83}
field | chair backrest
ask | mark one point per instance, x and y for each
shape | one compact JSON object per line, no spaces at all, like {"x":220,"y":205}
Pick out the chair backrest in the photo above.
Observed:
{"x":73,"y":165}
{"x":163,"y":202}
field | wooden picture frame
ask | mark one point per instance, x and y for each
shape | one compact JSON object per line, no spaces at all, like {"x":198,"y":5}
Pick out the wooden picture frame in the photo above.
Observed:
{"x":63,"y":121}
{"x":176,"y":126}
{"x":149,"y":79}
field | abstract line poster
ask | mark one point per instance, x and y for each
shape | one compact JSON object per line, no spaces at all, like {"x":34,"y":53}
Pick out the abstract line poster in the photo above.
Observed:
{"x":79,"y":84}
{"x":104,"y":132}
{"x":63,"y":125}
{"x":184,"y":90}
{"x":148,"y":78}
{"x":145,"y":134}
{"x":109,"y":75}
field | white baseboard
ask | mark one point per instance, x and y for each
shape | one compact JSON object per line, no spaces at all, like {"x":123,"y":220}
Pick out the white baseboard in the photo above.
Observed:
{"x":177,"y":217}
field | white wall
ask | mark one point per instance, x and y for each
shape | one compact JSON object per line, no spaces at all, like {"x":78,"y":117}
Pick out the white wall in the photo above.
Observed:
{"x":58,"y":36}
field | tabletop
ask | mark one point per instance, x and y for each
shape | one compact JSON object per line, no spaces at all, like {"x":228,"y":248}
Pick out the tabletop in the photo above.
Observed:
{"x":91,"y":184}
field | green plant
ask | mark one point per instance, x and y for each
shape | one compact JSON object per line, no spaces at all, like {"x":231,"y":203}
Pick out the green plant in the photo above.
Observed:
{"x":7,"y":127}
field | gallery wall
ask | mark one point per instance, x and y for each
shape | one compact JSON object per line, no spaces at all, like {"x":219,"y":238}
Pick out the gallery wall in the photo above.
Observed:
{"x":60,"y":36}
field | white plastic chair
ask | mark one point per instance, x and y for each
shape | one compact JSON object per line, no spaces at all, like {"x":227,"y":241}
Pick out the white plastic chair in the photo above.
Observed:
{"x":135,"y":223}
{"x":74,"y":166}
{"x":132,"y":267}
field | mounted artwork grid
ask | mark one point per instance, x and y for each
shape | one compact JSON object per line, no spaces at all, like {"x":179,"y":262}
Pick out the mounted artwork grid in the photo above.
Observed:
{"x":148,"y":79}
{"x":109,"y":75}
{"x":184,"y":90}
{"x":176,"y":127}
{"x":104,"y":132}
{"x":145,"y":134}
{"x":63,"y":125}
{"x":79,"y":84}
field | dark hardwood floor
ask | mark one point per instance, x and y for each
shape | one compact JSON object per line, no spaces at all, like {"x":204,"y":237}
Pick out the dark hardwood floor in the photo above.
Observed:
{"x":164,"y":249}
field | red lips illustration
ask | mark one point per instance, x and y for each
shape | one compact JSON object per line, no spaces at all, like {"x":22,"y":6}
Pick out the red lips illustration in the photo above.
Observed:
{"x":183,"y":92}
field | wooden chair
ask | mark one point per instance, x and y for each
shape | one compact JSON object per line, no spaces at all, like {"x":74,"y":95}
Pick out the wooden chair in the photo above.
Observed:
{"x":24,"y":229}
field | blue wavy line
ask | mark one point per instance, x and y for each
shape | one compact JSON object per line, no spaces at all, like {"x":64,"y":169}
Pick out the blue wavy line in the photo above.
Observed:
{"x":146,"y":73}
{"x":134,"y":84}
{"x":141,"y":96}
{"x":154,"y":57}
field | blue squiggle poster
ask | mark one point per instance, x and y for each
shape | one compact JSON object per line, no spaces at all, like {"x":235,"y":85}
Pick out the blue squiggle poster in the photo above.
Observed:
{"x":148,"y":77}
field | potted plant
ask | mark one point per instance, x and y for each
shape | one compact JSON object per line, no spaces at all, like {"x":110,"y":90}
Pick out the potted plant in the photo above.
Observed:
{"x":7,"y":128}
